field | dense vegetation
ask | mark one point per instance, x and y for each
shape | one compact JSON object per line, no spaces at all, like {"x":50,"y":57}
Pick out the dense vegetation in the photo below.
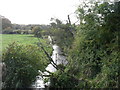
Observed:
{"x":95,"y":49}
{"x":23,"y":60}
{"x":23,"y":63}
{"x":91,"y":48}
{"x":94,"y":56}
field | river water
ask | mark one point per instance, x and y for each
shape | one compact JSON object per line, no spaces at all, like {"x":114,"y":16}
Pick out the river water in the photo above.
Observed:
{"x":58,"y":58}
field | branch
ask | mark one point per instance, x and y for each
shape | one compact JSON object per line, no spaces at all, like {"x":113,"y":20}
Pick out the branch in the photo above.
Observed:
{"x":46,"y":53}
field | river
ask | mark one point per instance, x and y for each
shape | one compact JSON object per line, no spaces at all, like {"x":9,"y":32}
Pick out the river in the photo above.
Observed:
{"x":58,"y":58}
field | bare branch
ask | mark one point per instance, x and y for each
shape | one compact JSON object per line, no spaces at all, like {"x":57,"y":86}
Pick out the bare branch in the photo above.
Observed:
{"x":46,"y":53}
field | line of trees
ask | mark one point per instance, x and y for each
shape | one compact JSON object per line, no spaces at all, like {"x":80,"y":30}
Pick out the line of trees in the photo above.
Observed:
{"x":9,"y":28}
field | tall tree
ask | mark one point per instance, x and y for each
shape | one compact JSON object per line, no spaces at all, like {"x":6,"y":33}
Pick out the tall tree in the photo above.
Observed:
{"x":6,"y":23}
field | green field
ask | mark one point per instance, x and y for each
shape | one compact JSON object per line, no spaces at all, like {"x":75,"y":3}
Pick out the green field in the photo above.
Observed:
{"x":7,"y":39}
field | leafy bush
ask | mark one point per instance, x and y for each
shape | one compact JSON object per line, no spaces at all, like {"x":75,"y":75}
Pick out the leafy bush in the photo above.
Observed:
{"x":22,"y":65}
{"x":95,"y":52}
{"x":62,"y":80}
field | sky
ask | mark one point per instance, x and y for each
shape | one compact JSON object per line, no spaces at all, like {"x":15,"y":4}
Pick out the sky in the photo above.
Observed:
{"x":38,"y":11}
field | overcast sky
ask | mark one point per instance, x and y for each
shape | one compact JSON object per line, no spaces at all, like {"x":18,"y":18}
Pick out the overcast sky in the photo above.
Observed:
{"x":37,"y":11}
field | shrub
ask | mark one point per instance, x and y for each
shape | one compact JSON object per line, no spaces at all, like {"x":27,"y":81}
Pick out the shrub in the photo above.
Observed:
{"x":95,"y":51}
{"x":63,"y":80}
{"x":22,"y":65}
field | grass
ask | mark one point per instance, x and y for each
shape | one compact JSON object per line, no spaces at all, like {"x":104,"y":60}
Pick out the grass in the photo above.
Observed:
{"x":21,"y":39}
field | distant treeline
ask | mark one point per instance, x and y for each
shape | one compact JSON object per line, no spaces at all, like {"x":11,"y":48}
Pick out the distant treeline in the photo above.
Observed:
{"x":9,"y":28}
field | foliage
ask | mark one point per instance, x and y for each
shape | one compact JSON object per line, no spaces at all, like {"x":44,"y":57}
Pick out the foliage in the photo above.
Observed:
{"x":29,"y":26}
{"x":62,"y":80}
{"x":6,"y":23}
{"x":94,"y":54}
{"x":7,"y":31}
{"x":37,"y":31}
{"x":62,"y":37}
{"x":22,"y":65}
{"x":62,"y":33}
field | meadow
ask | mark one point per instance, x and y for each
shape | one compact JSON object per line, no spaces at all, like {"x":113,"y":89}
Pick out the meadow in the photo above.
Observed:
{"x":7,"y":39}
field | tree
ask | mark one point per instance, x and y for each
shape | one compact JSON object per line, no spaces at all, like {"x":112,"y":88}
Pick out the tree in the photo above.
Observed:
{"x":37,"y":31}
{"x":62,"y":33}
{"x":94,"y":56}
{"x":6,"y":23}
